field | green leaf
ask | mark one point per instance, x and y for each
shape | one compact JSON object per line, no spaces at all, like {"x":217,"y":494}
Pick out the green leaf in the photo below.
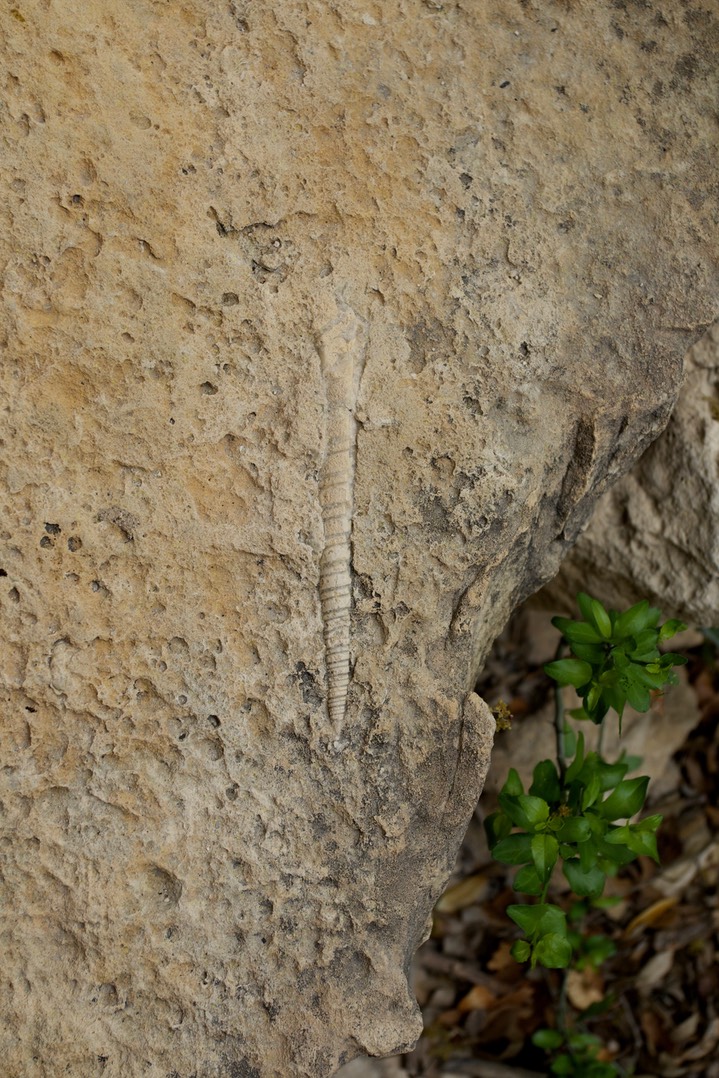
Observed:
{"x":525,"y":811}
{"x":619,"y":658}
{"x":577,"y":1041}
{"x":527,"y":917}
{"x":527,"y":882}
{"x":570,"y":739}
{"x":597,"y":950}
{"x":535,"y":809}
{"x":626,"y":800}
{"x":552,"y":951}
{"x":617,"y":836}
{"x":645,"y":641}
{"x":513,"y":784}
{"x":632,"y":621}
{"x":587,"y":854}
{"x":643,"y":844}
{"x":589,"y":884}
{"x":577,"y":631}
{"x":609,"y":857}
{"x":599,"y":618}
{"x":591,"y":653}
{"x":610,"y":775}
{"x":574,"y":829}
{"x":593,"y":697}
{"x":539,"y":919}
{"x":545,"y":850}
{"x":615,"y":697}
{"x":637,"y":695}
{"x":671,"y":628}
{"x":497,"y":826}
{"x":652,"y":679}
{"x":514,"y":850}
{"x":650,"y":823}
{"x":576,"y":766}
{"x":545,"y":782}
{"x":520,"y":950}
{"x":591,"y":792}
{"x":584,"y":602}
{"x":548,"y":1039}
{"x":607,"y":903}
{"x":672,"y":658}
{"x":569,"y":672}
{"x":563,"y":1065}
{"x":645,"y":656}
{"x":553,"y":919}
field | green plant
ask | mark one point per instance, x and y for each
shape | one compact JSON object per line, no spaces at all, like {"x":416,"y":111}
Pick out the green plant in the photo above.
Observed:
{"x":579,"y":808}
{"x":577,"y":811}
{"x":579,"y":1056}
{"x":616,"y":658}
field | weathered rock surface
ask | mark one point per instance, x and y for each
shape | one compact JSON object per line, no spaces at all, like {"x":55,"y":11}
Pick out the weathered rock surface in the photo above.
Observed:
{"x":655,"y":534}
{"x":429,"y":268}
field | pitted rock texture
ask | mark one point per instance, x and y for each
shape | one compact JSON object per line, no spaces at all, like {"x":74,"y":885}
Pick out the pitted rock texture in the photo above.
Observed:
{"x":655,"y":534}
{"x":202,"y":874}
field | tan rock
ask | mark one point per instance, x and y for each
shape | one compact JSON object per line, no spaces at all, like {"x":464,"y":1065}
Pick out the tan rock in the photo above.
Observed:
{"x":655,"y":534}
{"x":207,"y":871}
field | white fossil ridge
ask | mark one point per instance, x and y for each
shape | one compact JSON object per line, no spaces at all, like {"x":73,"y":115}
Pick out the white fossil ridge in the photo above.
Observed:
{"x":341,"y":347}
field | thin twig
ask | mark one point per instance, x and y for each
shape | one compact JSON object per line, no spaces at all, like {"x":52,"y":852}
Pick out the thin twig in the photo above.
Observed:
{"x":462,"y":971}
{"x":636,"y":1033}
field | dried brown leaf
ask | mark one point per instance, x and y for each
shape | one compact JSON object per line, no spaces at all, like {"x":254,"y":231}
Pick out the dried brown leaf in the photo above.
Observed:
{"x":478,"y":998}
{"x":584,"y":988}
{"x":656,"y":970}
{"x":467,"y":892}
{"x":653,"y":915}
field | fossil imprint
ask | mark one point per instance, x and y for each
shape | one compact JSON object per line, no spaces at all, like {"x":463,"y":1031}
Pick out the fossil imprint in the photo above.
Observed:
{"x":341,"y":348}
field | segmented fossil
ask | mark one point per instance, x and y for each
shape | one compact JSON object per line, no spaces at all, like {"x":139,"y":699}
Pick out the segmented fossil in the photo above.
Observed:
{"x":341,"y":348}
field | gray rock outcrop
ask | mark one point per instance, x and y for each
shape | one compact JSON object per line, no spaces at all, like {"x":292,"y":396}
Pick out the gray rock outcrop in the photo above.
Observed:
{"x":323,"y":327}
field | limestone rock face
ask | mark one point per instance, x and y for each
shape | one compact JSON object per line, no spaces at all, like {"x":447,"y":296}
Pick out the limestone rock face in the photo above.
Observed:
{"x":655,"y":534}
{"x":323,"y":328}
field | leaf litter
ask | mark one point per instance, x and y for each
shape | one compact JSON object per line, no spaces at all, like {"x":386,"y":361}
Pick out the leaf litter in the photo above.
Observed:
{"x":655,"y":1002}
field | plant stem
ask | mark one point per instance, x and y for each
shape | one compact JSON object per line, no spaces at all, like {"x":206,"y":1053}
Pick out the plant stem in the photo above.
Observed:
{"x":600,"y":738}
{"x":559,"y":722}
{"x":562,"y":1006}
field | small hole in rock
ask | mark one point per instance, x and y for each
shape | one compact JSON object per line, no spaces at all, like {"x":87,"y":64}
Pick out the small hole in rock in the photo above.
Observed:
{"x":53,"y":529}
{"x":230,"y":299}
{"x":213,"y":720}
{"x":209,"y":389}
{"x":46,"y":541}
{"x":74,"y":543}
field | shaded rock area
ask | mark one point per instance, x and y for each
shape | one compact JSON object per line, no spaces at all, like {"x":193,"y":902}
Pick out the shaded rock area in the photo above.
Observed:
{"x":651,"y":1002}
{"x":427,"y":268}
{"x":655,"y":534}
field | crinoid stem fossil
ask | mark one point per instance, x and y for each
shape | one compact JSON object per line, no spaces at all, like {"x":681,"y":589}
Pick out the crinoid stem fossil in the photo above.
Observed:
{"x":341,"y":348}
